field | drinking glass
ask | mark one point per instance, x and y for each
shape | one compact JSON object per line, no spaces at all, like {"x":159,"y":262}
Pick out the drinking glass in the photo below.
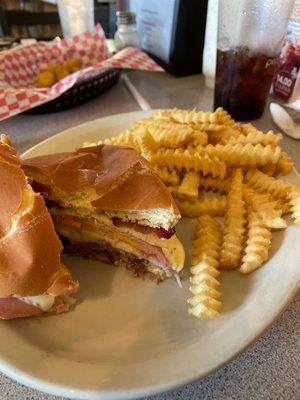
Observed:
{"x":250,"y":37}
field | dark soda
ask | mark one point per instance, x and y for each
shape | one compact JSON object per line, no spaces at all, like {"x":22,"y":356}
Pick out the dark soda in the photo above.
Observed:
{"x":243,"y":83}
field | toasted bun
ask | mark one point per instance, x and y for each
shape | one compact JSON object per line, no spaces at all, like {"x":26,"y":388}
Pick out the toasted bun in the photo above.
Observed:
{"x":29,"y":247}
{"x":114,"y":179}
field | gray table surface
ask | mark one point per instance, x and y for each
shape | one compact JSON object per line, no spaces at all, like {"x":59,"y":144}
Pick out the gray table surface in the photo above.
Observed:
{"x":270,"y":368}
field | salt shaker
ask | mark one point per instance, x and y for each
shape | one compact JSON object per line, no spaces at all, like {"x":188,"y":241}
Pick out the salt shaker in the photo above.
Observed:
{"x":127,"y":33}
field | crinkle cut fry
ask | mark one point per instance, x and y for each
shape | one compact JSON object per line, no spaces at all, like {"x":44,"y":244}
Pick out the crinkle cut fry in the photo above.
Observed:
{"x":220,"y":116}
{"x":249,"y":154}
{"x":184,"y":159}
{"x":171,"y":137}
{"x":249,"y":134}
{"x":189,"y":187}
{"x":178,"y":136}
{"x":258,"y":244}
{"x":294,"y":201}
{"x":285,"y":164}
{"x":168,"y":177}
{"x":223,"y":134}
{"x":267,"y":184}
{"x":199,"y":136}
{"x":148,"y":147}
{"x":215,"y":184}
{"x":234,"y":225}
{"x":205,"y":302}
{"x":265,"y":206}
{"x":214,"y":206}
{"x":269,"y":169}
{"x":127,"y":139}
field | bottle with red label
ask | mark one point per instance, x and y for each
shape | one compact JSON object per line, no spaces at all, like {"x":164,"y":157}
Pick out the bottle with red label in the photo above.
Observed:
{"x":286,"y":85}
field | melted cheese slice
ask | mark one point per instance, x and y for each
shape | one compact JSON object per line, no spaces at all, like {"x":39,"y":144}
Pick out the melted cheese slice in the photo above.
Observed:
{"x":172,"y":247}
{"x":44,"y":302}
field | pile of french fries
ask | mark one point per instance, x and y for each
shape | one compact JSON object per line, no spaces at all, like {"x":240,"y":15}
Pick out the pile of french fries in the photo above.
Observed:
{"x":196,"y":152}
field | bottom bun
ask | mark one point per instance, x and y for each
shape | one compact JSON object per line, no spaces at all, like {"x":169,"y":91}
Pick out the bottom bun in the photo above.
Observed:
{"x":12,"y":307}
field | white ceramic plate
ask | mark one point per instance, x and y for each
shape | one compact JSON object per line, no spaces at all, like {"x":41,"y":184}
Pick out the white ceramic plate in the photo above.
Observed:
{"x":127,"y":337}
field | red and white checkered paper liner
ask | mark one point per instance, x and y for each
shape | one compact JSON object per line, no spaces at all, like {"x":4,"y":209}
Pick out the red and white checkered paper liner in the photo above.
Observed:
{"x":19,"y":68}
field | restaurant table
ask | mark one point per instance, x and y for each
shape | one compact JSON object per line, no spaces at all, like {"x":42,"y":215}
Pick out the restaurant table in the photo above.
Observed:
{"x":270,"y":368}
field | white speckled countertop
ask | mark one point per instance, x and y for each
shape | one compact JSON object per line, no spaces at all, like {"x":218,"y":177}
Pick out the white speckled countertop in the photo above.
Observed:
{"x":270,"y":368}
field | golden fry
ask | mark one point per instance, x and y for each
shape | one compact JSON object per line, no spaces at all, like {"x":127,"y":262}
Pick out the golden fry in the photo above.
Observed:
{"x":125,"y":140}
{"x":189,"y":187}
{"x":294,"y":201}
{"x":171,"y":137}
{"x":258,"y":244}
{"x":214,"y":206}
{"x":267,"y":209}
{"x":285,"y":164}
{"x":205,"y":302}
{"x":168,"y":177}
{"x":249,"y":154}
{"x":197,"y":118}
{"x":249,"y":134}
{"x":267,"y":184}
{"x":148,"y":146}
{"x":269,"y":169}
{"x":224,"y":134}
{"x":234,"y":225}
{"x":215,"y":184}
{"x":184,"y":159}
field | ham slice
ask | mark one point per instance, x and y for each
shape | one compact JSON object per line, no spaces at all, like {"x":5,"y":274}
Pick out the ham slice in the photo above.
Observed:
{"x":147,"y":249}
{"x":13,"y":307}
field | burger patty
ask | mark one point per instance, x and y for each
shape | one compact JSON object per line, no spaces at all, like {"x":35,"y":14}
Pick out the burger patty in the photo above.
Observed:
{"x":104,"y":252}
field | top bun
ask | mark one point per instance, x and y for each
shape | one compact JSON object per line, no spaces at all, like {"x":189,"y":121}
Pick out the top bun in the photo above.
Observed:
{"x":113,"y":179}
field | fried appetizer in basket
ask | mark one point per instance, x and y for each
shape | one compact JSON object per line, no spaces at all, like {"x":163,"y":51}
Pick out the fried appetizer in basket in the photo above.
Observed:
{"x":46,"y":79}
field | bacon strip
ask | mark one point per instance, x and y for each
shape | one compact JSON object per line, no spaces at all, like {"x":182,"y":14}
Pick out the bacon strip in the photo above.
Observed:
{"x":160,"y":232}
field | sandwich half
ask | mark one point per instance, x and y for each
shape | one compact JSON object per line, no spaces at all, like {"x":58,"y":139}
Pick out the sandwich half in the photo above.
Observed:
{"x":32,"y":279}
{"x":108,"y":204}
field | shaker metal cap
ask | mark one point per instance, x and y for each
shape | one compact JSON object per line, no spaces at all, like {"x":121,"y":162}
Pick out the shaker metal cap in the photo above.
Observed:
{"x":125,"y":18}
